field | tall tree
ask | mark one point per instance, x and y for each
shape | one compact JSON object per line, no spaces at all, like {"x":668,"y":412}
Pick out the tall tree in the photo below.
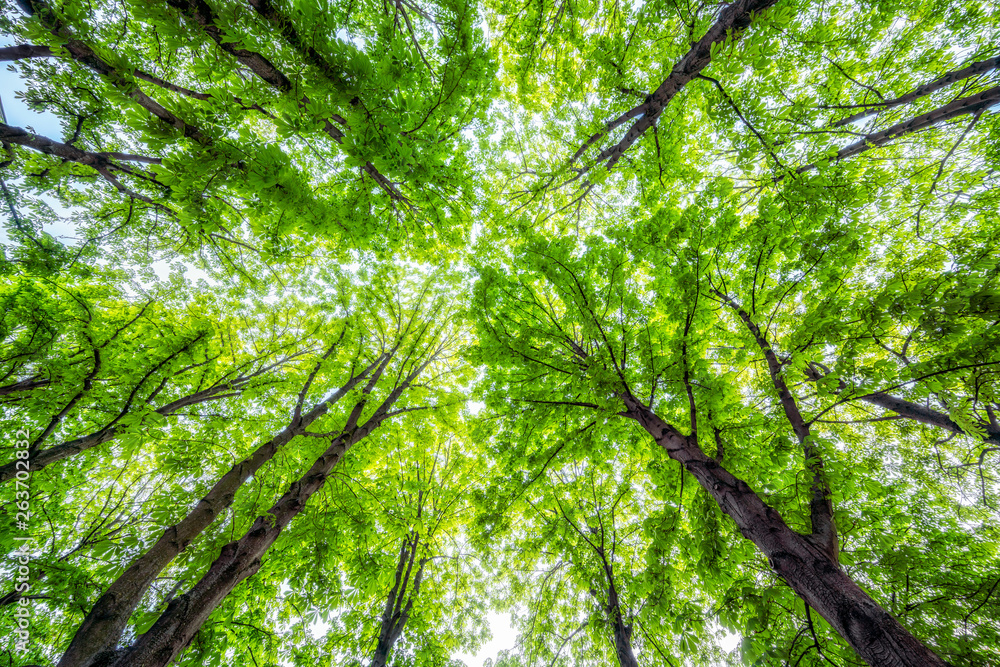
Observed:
{"x":761,"y":233}
{"x":160,"y":112}
{"x":587,"y":588}
{"x":598,"y":330}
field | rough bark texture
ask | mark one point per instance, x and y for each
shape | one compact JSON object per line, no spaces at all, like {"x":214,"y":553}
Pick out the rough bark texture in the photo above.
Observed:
{"x":875,"y":634}
{"x":974,"y":69}
{"x":184,"y":616}
{"x":824,"y":530}
{"x":961,"y":107}
{"x":103,"y":626}
{"x":735,"y":18}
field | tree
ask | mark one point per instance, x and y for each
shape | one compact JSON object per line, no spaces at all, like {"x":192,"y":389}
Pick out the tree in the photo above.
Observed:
{"x":761,"y":233}
{"x":87,"y":364}
{"x":597,"y":330}
{"x":588,"y":588}
{"x":191,"y":154}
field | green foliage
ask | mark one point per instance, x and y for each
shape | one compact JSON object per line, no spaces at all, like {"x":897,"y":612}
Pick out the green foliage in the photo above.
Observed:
{"x":268,"y":198}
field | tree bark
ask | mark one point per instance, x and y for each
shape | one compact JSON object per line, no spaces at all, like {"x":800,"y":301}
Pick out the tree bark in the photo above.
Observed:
{"x":40,"y":459}
{"x":23,"y":385}
{"x":927,"y":415}
{"x":824,"y":529}
{"x":85,"y":55}
{"x":872,"y":632}
{"x":911,"y":410}
{"x":100,"y":162}
{"x":73,"y":447}
{"x":735,"y":18}
{"x":16,"y":135}
{"x":21,"y":51}
{"x":623,"y":643}
{"x":284,"y":25}
{"x":184,"y":616}
{"x":201,"y":13}
{"x":396,"y":613}
{"x":974,"y":69}
{"x":961,"y":107}
{"x":622,"y":632}
{"x":103,"y":626}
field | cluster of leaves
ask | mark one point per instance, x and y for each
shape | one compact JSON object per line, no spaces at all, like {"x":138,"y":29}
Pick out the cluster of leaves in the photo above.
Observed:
{"x":769,"y":224}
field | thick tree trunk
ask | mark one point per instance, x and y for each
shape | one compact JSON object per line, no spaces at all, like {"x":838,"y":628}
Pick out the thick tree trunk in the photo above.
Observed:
{"x":385,"y":643}
{"x":103,"y":626}
{"x":381,"y":655}
{"x":184,"y":616}
{"x":871,"y":631}
{"x":623,"y":644}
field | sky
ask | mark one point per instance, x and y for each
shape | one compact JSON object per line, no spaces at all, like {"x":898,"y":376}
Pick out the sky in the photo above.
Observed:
{"x":46,"y":124}
{"x":18,"y":113}
{"x":504,"y":637}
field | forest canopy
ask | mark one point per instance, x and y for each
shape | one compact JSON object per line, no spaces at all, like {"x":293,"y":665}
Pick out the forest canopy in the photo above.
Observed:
{"x":335,"y":331}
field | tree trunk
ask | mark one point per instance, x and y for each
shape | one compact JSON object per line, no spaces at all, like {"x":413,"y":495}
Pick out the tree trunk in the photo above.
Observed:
{"x":623,"y":643}
{"x":621,"y":631}
{"x":871,"y":631}
{"x":103,"y":626}
{"x":385,"y":644}
{"x":184,"y":616}
{"x":396,"y":614}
